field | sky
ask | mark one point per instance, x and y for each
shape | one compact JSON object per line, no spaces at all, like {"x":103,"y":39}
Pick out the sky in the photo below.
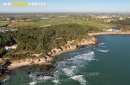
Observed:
{"x":68,"y":6}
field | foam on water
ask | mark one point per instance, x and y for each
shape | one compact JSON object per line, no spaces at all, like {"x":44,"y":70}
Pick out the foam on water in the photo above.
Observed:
{"x":79,"y":59}
{"x":69,"y":71}
{"x":102,"y":48}
{"x":69,"y":68}
{"x":87,"y":56}
{"x":101,"y":44}
{"x":80,"y":79}
{"x":32,"y":83}
{"x":7,"y":77}
{"x":105,"y":51}
{"x":56,"y":81}
{"x":40,"y":78}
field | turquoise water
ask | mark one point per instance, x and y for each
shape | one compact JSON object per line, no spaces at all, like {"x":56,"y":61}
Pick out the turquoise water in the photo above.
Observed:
{"x":107,"y":63}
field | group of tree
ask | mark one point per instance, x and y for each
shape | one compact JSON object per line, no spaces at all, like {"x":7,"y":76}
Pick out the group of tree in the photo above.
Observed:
{"x":123,"y":24}
{"x":42,"y":40}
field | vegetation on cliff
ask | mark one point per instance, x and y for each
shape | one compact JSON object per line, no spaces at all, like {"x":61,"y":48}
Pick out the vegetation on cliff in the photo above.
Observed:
{"x":41,"y":40}
{"x":124,"y":24}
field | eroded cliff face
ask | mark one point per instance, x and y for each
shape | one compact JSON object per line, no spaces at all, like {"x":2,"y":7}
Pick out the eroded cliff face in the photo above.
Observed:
{"x":72,"y":45}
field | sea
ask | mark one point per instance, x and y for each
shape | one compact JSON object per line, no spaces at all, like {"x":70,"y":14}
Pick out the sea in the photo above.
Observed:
{"x":106,"y":63}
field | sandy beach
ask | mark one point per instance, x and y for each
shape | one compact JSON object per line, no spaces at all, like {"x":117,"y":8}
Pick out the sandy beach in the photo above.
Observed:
{"x":27,"y":62}
{"x":107,"y":33}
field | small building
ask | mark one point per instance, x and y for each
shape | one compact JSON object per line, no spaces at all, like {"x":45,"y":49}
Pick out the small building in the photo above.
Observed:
{"x":109,"y":30}
{"x":43,"y":18}
{"x":11,"y":47}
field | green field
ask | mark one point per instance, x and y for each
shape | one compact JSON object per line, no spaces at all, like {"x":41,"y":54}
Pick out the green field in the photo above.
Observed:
{"x":4,"y":22}
{"x":60,"y":19}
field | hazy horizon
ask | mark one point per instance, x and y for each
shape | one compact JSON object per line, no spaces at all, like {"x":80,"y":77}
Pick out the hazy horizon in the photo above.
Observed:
{"x":67,"y":6}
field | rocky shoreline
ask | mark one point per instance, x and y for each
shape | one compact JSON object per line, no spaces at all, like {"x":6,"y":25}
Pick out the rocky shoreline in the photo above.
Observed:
{"x":12,"y":65}
{"x":48,"y":60}
{"x":55,"y":52}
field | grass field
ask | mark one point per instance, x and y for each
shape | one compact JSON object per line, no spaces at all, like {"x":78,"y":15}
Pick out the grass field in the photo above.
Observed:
{"x":93,"y":23}
{"x":4,"y":22}
{"x":100,"y":24}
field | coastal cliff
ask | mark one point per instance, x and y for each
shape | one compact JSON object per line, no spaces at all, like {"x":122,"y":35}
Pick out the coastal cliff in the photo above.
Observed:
{"x":70,"y":46}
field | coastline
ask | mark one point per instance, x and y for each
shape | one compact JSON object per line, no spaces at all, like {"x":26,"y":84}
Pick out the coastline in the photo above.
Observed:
{"x":109,"y":33}
{"x":42,"y":61}
{"x":26,"y":62}
{"x":67,"y":48}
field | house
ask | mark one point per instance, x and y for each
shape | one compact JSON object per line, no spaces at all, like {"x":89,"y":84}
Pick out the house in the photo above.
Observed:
{"x":109,"y":30}
{"x":11,"y":47}
{"x":43,"y":18}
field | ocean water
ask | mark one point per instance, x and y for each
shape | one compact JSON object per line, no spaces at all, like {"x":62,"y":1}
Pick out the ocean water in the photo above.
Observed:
{"x":107,"y":63}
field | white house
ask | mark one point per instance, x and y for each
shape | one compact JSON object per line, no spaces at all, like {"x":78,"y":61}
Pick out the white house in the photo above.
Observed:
{"x":11,"y":47}
{"x":109,"y":30}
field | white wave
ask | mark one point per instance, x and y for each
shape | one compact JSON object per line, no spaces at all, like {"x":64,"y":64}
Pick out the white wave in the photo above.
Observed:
{"x":69,"y":71}
{"x":7,"y":77}
{"x":80,"y":79}
{"x":40,"y":78}
{"x":56,"y":81}
{"x":69,"y":68}
{"x":44,"y":78}
{"x":32,"y":83}
{"x":101,"y":44}
{"x":105,"y":51}
{"x":87,"y":56}
{"x":76,"y":62}
{"x":73,"y":67}
{"x":101,"y":50}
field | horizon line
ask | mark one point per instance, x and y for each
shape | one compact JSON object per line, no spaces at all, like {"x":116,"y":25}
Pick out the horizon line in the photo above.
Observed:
{"x":64,"y":12}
